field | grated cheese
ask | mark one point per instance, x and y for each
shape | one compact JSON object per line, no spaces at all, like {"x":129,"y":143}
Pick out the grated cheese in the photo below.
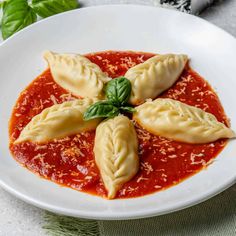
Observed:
{"x":194,"y":162}
{"x":157,"y":186}
{"x":141,"y":178}
{"x":172,"y":156}
{"x":53,"y":98}
{"x":146,"y":167}
{"x":82,"y":169}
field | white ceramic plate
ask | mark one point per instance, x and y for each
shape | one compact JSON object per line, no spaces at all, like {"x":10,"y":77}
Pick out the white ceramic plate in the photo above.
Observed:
{"x":122,"y":27}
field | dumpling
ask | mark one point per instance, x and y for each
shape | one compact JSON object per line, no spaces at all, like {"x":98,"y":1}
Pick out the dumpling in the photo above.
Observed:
{"x":76,"y":74}
{"x":59,"y":121}
{"x":175,"y":120}
{"x":151,"y":78}
{"x":116,"y":152}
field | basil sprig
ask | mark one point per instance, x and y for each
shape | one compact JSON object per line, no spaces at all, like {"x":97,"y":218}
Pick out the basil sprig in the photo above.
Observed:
{"x":128,"y":109}
{"x":101,"y":109}
{"x":118,"y":93}
{"x":1,"y":4}
{"x":46,"y":8}
{"x":17,"y":14}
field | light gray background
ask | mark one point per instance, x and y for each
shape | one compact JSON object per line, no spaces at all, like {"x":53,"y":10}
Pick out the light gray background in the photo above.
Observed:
{"x":20,"y":219}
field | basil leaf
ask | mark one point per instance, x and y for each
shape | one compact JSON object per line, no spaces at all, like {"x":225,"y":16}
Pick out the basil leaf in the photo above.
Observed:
{"x":16,"y":15}
{"x":118,"y":90}
{"x":101,"y":109}
{"x":45,"y":8}
{"x":128,"y":109}
{"x":2,"y":4}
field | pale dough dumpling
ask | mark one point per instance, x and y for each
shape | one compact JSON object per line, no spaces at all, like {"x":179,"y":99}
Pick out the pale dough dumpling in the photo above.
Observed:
{"x":59,"y":121}
{"x":76,"y":74}
{"x":116,"y":152}
{"x":175,"y":120}
{"x":154,"y":76}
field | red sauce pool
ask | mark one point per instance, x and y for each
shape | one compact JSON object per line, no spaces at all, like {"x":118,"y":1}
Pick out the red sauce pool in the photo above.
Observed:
{"x":70,"y":161}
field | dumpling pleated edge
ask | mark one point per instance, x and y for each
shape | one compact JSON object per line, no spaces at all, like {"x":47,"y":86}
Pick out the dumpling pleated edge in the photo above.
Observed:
{"x":116,"y":153}
{"x":77,"y":74}
{"x":181,"y":122}
{"x":59,"y":121}
{"x":156,"y":75}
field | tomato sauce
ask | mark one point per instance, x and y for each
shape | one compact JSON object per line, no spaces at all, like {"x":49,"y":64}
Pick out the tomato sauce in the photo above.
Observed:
{"x":70,"y":161}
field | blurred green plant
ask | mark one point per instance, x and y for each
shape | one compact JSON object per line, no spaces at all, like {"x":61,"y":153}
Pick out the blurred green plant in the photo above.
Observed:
{"x":17,"y":14}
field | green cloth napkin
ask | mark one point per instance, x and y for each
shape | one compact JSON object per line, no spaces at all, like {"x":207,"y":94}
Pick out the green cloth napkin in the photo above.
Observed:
{"x":215,"y":217}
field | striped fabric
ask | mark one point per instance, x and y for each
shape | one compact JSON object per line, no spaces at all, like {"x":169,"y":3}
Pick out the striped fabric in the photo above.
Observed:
{"x":189,"y":6}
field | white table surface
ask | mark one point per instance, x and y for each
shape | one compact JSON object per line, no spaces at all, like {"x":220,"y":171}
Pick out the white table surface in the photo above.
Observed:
{"x":21,"y":219}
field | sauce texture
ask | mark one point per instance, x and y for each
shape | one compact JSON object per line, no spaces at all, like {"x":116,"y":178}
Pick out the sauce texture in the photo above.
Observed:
{"x":70,"y":161}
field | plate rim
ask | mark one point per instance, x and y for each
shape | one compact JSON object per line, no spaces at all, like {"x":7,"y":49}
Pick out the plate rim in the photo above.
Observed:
{"x":97,"y":216}
{"x":115,"y":5}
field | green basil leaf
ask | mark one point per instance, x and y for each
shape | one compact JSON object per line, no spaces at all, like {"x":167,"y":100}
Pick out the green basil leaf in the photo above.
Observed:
{"x":46,"y":8}
{"x":118,"y":90}
{"x":17,"y":14}
{"x":2,"y":4}
{"x":128,"y":109}
{"x":101,"y":109}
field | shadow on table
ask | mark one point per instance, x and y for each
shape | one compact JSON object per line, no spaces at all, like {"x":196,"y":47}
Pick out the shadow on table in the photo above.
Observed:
{"x":217,"y":4}
{"x":216,"y":216}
